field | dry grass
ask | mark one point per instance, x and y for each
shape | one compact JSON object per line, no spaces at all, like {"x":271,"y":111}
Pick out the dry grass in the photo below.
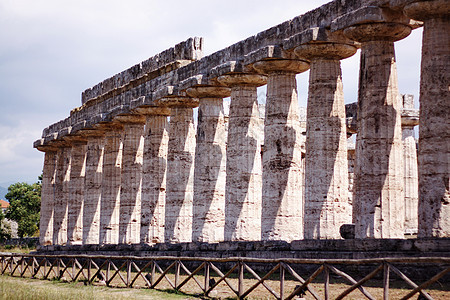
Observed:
{"x":24,"y":288}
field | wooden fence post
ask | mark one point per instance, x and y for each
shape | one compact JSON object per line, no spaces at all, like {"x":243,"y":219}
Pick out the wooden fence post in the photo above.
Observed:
{"x":206,"y":278}
{"x":386,"y":281}
{"x":282,"y":274}
{"x":241,"y":279}
{"x":327,"y":282}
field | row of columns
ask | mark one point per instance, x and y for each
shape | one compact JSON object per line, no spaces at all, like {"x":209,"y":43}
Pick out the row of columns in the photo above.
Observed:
{"x":142,"y":179}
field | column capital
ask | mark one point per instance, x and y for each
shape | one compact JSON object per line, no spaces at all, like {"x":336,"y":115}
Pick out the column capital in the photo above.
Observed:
{"x":385,"y":31}
{"x":91,"y":133}
{"x":130,"y":119}
{"x":209,"y":92}
{"x":281,"y":65}
{"x":75,"y":139}
{"x":47,"y":148}
{"x":325,"y":50}
{"x":410,"y":117}
{"x":153,"y":111}
{"x":60,"y":144}
{"x":242,"y":79}
{"x":424,"y":10}
{"x":186,"y":102}
{"x":115,"y":125}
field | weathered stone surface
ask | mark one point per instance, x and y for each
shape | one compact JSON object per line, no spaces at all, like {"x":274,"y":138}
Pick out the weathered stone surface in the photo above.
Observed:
{"x":434,"y":129}
{"x":110,"y":199}
{"x":325,"y":50}
{"x":315,"y":249}
{"x":76,"y":192}
{"x":209,"y":170}
{"x":131,"y":179}
{"x":282,"y":189}
{"x":411,"y":183}
{"x":326,"y":169}
{"x":62,"y":178}
{"x":93,"y":187}
{"x":378,"y":204}
{"x":244,"y":174}
{"x":153,"y":199}
{"x":180,"y":176}
{"x":47,"y":199}
{"x":351,"y":156}
{"x":179,"y":55}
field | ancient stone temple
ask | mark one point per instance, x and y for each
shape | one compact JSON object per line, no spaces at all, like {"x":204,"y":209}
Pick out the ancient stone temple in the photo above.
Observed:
{"x":135,"y":165}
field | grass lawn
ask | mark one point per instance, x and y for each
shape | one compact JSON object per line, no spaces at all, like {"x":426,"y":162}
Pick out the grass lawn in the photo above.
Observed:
{"x":24,"y":288}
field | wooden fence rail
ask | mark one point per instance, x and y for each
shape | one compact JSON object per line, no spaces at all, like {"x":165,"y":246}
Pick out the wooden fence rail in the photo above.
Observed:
{"x":243,"y":275}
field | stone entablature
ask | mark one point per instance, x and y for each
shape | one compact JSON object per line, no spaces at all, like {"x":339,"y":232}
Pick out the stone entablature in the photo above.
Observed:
{"x":253,"y":197}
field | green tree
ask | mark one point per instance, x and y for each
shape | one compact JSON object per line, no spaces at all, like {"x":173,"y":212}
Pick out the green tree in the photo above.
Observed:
{"x":25,"y":205}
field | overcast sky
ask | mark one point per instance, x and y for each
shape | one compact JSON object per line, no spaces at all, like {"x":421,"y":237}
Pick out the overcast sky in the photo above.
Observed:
{"x":52,"y":50}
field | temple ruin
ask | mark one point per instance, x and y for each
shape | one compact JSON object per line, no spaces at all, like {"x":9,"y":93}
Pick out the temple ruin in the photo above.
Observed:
{"x":129,"y":166}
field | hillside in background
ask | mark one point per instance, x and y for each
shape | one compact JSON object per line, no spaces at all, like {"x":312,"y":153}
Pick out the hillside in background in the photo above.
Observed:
{"x":3,"y":192}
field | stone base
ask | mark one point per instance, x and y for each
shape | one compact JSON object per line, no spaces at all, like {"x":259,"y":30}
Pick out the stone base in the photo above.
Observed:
{"x":314,"y":249}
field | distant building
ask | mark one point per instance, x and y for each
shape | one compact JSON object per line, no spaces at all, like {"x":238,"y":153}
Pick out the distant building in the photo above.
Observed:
{"x":4,"y":205}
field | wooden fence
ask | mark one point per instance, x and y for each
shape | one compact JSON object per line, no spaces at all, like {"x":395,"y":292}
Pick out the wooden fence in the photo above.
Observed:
{"x":280,"y":278}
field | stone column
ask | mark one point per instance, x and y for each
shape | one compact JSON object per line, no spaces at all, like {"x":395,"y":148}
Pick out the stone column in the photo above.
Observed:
{"x":180,"y":170}
{"x":153,"y":198}
{"x":243,"y":186}
{"x":410,"y":118}
{"x":210,"y":158}
{"x":92,"y":186}
{"x":131,"y":178}
{"x":326,"y":174}
{"x":282,"y":192}
{"x":434,"y":129}
{"x":76,"y":190}
{"x":112,"y":169}
{"x":62,"y":179}
{"x":378,"y":200}
{"x":351,"y":176}
{"x":47,"y":197}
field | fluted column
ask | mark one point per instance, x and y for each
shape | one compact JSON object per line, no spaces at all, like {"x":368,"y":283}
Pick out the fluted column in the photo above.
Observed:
{"x":244,"y":175}
{"x":282,"y":173}
{"x":76,"y":190}
{"x":47,"y":197}
{"x":209,"y":170}
{"x":92,"y":186}
{"x":378,"y":200}
{"x":434,"y":129}
{"x":326,"y":174}
{"x":62,"y":179}
{"x":153,"y":197}
{"x":411,"y":179}
{"x":180,"y":170}
{"x":110,"y":199}
{"x":131,"y":178}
